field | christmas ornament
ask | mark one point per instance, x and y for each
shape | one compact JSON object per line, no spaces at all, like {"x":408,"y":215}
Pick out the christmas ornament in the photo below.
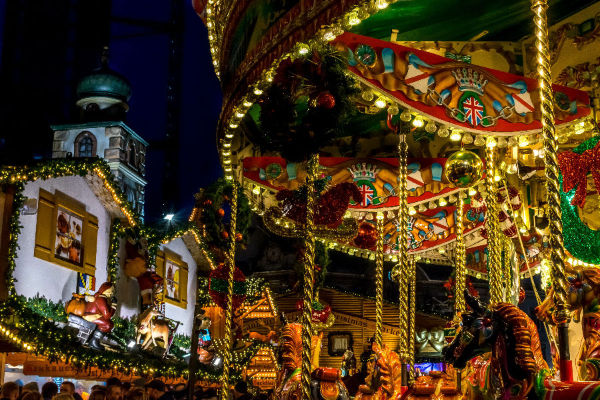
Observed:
{"x":325,"y":100}
{"x":217,"y":286}
{"x":574,"y":168}
{"x":463,"y":169}
{"x":224,"y":234}
{"x":239,"y":237}
{"x":367,"y":236}
{"x":221,"y":212}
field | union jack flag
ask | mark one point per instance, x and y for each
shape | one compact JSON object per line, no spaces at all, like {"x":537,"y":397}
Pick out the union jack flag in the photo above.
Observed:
{"x":473,"y":111}
{"x":366,"y":195}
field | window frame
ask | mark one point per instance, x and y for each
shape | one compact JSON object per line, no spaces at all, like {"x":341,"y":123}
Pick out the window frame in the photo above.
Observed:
{"x":79,"y":138}
{"x":163,"y":257}
{"x":89,"y":227}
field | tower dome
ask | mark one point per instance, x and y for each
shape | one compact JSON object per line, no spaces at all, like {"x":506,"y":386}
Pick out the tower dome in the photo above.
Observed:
{"x":103,"y":90}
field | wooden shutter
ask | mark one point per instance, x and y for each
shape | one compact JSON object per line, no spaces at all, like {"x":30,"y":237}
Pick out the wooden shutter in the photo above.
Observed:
{"x":90,"y":243}
{"x":160,"y":271}
{"x":44,"y":232}
{"x":183,"y":282}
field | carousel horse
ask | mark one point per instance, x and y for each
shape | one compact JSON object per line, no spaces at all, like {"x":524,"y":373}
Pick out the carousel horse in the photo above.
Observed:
{"x":326,"y":383}
{"x":515,"y":369}
{"x":383,"y":381}
{"x":584,"y":300}
{"x":152,"y":329}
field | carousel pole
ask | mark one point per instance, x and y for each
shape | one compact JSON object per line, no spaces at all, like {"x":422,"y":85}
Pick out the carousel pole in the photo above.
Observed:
{"x":412,"y":265}
{"x":379,"y":281}
{"x":309,"y":273}
{"x":230,"y":262}
{"x":460,"y":262}
{"x":557,"y":251}
{"x":403,"y":273}
{"x":494,"y":244}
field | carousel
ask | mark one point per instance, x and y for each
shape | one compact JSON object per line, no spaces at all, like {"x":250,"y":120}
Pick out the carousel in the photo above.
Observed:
{"x":448,"y":134}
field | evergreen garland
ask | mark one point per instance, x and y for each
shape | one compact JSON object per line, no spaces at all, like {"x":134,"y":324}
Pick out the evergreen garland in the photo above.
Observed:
{"x":307,"y":105}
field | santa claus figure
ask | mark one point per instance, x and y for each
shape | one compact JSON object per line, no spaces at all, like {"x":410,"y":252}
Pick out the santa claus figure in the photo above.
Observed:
{"x":99,"y":308}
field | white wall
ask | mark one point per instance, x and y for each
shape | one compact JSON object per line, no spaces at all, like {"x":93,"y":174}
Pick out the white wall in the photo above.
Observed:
{"x":185,"y":316}
{"x":53,"y":281}
{"x":128,"y":291}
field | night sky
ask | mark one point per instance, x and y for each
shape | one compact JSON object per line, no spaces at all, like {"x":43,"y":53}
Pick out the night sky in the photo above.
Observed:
{"x":143,"y":60}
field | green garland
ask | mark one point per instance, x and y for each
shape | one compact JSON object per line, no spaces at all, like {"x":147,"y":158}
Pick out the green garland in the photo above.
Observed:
{"x":254,"y":290}
{"x":581,"y":241}
{"x":211,"y":208}
{"x":14,"y":227}
{"x":45,"y":308}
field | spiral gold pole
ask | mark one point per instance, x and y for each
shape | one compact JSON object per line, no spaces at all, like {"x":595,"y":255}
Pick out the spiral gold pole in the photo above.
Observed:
{"x":309,"y":273}
{"x":230,"y":262}
{"x":556,"y":247}
{"x":411,"y":316}
{"x":403,"y":267}
{"x":494,"y":244}
{"x":379,"y":281}
{"x":460,"y":262}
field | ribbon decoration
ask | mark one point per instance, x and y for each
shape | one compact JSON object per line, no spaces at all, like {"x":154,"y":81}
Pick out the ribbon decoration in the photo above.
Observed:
{"x":575,"y":167}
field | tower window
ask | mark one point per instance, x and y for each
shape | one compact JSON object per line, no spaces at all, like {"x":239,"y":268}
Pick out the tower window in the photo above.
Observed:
{"x":131,"y":154}
{"x":85,"y":145}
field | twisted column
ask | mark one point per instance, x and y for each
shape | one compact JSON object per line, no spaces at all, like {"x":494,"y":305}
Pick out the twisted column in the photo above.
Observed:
{"x":460,"y":262}
{"x":411,"y":316}
{"x":379,"y":281}
{"x":494,"y":244}
{"x":556,"y":247}
{"x":309,"y":273}
{"x":230,"y":262}
{"x":403,"y":273}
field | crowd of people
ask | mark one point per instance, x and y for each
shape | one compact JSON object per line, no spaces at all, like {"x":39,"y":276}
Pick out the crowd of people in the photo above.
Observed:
{"x":114,"y":389}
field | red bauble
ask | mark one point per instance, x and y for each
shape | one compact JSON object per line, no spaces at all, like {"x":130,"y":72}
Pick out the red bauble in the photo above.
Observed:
{"x":367,"y":236}
{"x":224,"y":234}
{"x":325,"y":100}
{"x":218,"y":286}
{"x":239,"y":237}
{"x":221,"y":212}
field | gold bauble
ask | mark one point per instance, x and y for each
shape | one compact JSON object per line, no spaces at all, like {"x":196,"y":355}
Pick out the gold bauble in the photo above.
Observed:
{"x":463,"y":169}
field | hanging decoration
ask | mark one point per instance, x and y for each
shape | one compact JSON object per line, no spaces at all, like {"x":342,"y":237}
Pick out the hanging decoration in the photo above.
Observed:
{"x":217,"y":286}
{"x":580,"y":240}
{"x":463,"y":169}
{"x":306,"y":104}
{"x":329,"y":209}
{"x":574,"y":168}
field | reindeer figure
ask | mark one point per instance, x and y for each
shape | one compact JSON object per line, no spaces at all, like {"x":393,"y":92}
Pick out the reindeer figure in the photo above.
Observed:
{"x":152,"y":329}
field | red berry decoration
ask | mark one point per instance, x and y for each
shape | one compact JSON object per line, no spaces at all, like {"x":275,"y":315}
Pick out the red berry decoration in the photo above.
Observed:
{"x":221,"y":212}
{"x":325,"y":100}
{"x":239,"y":237}
{"x":207,"y":202}
{"x":224,"y":234}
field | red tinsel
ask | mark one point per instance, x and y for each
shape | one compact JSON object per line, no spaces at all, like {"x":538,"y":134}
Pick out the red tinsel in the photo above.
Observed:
{"x":320,"y":312}
{"x":574,"y":169}
{"x":331,"y":205}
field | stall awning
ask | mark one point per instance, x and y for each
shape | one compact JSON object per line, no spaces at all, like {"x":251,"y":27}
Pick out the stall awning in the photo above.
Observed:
{"x":459,"y":95}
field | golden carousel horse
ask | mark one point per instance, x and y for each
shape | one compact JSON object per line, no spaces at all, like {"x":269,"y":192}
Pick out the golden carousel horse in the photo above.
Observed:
{"x":326,"y":383}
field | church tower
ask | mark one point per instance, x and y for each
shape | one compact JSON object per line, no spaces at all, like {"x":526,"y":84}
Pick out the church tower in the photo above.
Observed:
{"x":102,"y":98}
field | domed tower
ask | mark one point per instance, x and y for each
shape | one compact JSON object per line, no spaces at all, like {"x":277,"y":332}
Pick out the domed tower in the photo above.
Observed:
{"x":102,"y":98}
{"x":103,"y":94}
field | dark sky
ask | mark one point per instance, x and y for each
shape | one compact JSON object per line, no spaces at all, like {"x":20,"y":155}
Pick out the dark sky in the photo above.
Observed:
{"x":143,"y":59}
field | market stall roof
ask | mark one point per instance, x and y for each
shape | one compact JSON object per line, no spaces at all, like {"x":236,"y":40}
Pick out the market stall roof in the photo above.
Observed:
{"x":462,"y":20}
{"x":456,"y":94}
